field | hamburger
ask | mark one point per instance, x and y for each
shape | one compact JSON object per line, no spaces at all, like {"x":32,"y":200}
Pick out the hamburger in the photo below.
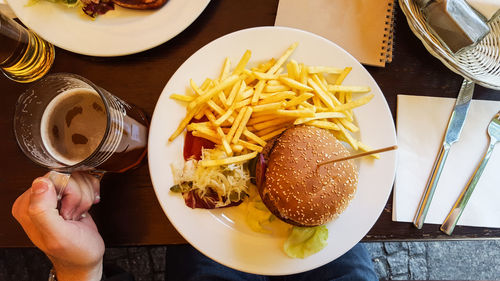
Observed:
{"x":292,"y":185}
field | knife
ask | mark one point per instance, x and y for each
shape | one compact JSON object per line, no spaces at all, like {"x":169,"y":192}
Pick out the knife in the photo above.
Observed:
{"x":455,"y":125}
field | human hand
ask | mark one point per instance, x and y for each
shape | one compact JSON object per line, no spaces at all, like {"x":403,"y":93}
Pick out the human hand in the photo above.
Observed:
{"x":71,"y":241}
{"x":81,"y":192}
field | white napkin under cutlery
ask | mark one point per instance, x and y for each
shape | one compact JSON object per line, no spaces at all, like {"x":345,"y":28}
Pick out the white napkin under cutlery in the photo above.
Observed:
{"x":421,"y":124}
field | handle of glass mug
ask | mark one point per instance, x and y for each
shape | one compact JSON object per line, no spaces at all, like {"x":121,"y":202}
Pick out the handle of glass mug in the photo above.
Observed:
{"x":60,"y":180}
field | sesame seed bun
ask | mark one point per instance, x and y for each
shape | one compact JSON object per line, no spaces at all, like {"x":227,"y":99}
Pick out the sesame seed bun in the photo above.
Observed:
{"x":295,"y":189}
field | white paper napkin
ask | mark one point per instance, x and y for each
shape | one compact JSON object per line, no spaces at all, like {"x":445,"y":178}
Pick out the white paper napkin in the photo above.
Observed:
{"x":486,"y":7}
{"x":421,"y":124}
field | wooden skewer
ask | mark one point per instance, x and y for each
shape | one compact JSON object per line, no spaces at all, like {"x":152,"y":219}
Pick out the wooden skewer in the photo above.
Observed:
{"x":360,"y":155}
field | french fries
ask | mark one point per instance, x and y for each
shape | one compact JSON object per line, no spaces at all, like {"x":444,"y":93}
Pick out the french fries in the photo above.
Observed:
{"x":182,"y":97}
{"x":246,"y":107}
{"x":228,"y":160}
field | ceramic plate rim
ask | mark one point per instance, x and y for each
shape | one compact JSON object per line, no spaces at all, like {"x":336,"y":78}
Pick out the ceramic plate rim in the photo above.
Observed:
{"x":117,"y":33}
{"x":238,"y":256}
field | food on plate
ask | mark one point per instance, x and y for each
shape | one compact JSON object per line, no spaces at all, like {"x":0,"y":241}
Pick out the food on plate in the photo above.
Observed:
{"x":305,"y":241}
{"x":91,"y":8}
{"x":250,"y":114}
{"x":67,"y":3}
{"x":243,"y":108}
{"x":211,"y":187}
{"x":94,"y":8}
{"x":246,"y":107}
{"x":140,"y":4}
{"x":301,"y":242}
{"x":292,"y":185}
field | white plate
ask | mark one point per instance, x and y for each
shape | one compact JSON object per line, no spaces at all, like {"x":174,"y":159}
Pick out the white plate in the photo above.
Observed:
{"x":118,"y":32}
{"x":213,"y":232}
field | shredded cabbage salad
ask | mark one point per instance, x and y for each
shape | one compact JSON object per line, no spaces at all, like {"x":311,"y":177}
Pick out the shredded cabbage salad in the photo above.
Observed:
{"x":229,"y":182}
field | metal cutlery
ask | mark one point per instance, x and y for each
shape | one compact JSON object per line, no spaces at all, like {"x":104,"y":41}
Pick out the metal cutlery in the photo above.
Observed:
{"x":452,"y":135}
{"x":457,"y":210}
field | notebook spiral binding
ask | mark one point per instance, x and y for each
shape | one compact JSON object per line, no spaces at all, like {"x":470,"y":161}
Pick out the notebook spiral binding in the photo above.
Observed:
{"x":388,"y":42}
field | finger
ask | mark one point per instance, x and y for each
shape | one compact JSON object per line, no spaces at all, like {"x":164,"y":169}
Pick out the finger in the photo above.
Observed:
{"x":42,"y":207}
{"x":93,"y":184}
{"x":71,"y":198}
{"x":87,"y":195}
{"x":87,"y":184}
{"x":94,"y":181}
{"x":96,"y":187}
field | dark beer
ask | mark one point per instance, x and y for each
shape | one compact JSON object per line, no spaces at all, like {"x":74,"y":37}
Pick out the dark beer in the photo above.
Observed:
{"x":77,"y":128}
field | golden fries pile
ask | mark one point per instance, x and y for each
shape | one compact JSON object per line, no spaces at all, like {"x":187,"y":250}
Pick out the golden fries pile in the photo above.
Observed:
{"x":247,"y":107}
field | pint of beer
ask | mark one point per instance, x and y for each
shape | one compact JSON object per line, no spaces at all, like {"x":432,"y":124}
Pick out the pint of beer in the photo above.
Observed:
{"x":66,"y":123}
{"x":24,"y":56}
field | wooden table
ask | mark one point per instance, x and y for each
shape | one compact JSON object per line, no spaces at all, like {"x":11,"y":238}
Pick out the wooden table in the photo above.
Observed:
{"x":129,"y":213}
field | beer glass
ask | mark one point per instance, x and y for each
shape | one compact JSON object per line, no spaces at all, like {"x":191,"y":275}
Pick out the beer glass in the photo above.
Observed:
{"x":24,"y":56}
{"x":66,"y":123}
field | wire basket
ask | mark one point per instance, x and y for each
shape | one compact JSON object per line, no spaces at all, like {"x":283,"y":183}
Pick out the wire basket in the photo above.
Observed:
{"x":479,"y":64}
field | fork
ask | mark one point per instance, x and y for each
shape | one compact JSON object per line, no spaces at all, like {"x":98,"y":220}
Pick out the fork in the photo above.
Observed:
{"x":457,"y":210}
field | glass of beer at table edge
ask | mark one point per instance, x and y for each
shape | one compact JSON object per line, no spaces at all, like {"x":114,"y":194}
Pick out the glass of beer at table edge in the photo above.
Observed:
{"x":24,"y":56}
{"x":66,"y":123}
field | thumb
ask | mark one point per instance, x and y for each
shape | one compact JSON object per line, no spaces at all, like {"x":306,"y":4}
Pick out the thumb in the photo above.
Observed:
{"x":42,"y":207}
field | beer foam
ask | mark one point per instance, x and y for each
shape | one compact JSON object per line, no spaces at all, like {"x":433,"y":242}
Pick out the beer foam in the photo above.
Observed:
{"x":73,"y":125}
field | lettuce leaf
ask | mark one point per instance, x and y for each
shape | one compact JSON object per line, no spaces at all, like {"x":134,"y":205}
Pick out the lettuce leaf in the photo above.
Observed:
{"x":258,"y":216}
{"x":305,"y":241}
{"x":68,"y":3}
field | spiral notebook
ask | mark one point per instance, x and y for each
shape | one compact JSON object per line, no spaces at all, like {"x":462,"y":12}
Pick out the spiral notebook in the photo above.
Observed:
{"x":364,"y":28}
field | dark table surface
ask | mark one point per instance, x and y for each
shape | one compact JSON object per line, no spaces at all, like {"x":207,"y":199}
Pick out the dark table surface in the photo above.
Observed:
{"x":129,"y":213}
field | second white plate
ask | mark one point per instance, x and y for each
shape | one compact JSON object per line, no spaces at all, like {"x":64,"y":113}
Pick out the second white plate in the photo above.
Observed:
{"x":118,"y":32}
